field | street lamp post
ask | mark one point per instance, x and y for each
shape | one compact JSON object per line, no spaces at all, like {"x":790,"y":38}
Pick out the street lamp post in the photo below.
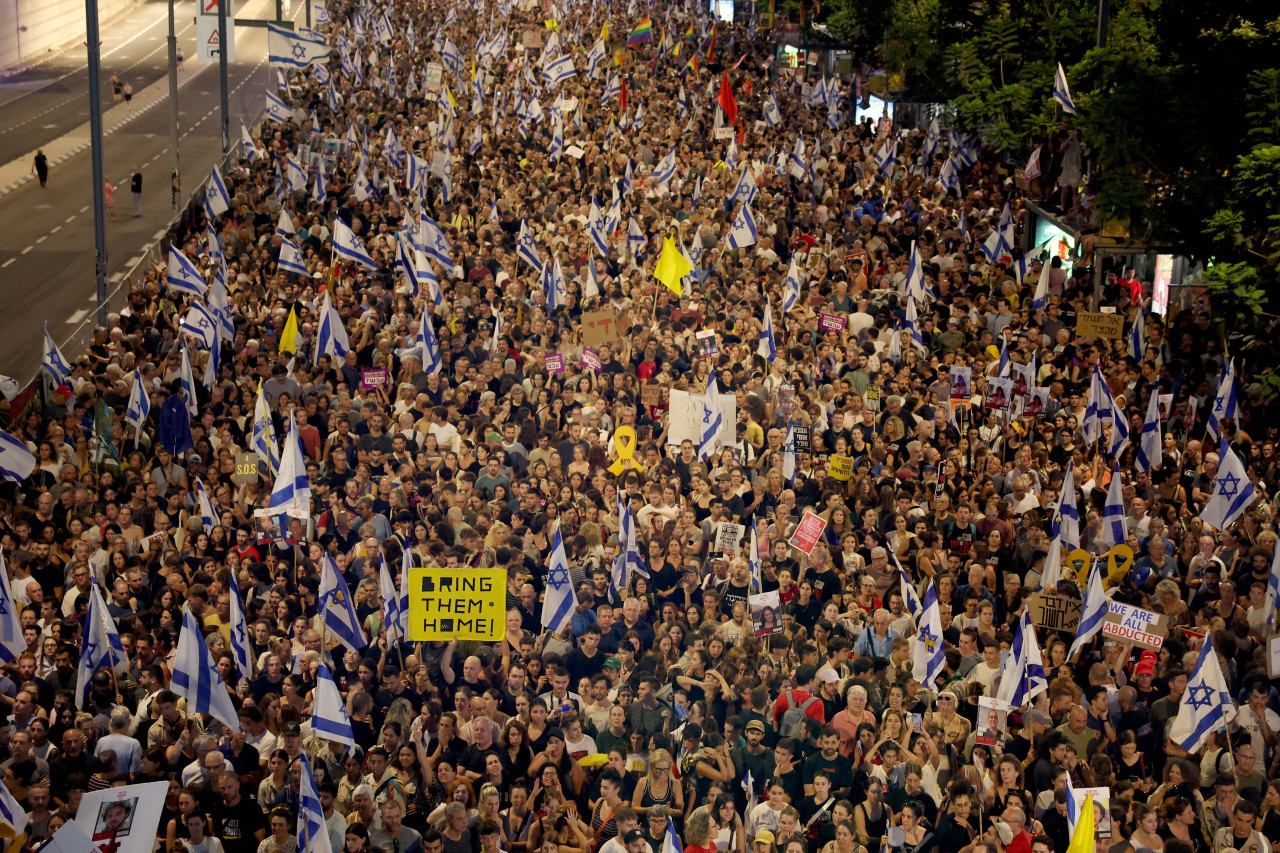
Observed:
{"x":173,"y":105}
{"x":222,"y":72}
{"x":95,"y":155}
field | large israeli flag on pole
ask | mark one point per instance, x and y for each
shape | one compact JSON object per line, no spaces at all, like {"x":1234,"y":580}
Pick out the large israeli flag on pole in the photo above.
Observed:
{"x":338,"y":608}
{"x":559,"y":600}
{"x":297,"y":51}
{"x":11,"y":642}
{"x":1206,"y":705}
{"x":291,"y":494}
{"x":329,"y":718}
{"x":195,"y":675}
{"x":240,"y":646}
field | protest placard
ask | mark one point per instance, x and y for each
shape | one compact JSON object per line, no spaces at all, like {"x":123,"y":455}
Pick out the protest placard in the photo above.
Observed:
{"x":1096,"y":324}
{"x":1055,"y":612}
{"x":554,"y":363}
{"x":469,"y":604}
{"x":729,"y":537}
{"x":601,"y":327}
{"x":841,"y":467}
{"x":831,"y":322}
{"x":808,"y":531}
{"x":1131,"y":624}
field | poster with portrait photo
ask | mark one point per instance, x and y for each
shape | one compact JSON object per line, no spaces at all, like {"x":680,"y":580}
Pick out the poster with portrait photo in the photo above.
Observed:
{"x":1038,"y":401}
{"x":961,"y":383}
{"x":999,"y":393}
{"x":707,"y":346}
{"x":122,"y":820}
{"x":1101,"y":809}
{"x":992,"y":720}
{"x":1023,"y":381}
{"x":766,"y":613}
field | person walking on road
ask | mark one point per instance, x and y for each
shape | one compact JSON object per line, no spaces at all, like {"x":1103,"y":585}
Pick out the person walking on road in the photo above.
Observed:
{"x":135,"y":187}
{"x":109,"y":197}
{"x":179,"y":56}
{"x":128,"y":95}
{"x":41,"y":166}
{"x":116,"y":88}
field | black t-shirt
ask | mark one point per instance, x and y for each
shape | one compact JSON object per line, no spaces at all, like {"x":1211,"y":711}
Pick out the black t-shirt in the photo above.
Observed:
{"x":580,"y":666}
{"x":839,"y":770}
{"x":473,"y":757}
{"x":238,"y":825}
{"x":825,"y":585}
{"x":730,"y":594}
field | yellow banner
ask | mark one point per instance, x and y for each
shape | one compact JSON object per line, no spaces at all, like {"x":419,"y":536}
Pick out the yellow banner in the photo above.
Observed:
{"x":469,"y":604}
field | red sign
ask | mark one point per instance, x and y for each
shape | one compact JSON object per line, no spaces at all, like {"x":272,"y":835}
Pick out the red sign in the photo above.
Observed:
{"x":808,"y":532}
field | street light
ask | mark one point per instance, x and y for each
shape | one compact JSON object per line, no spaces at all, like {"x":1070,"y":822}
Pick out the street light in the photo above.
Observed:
{"x":95,"y":155}
{"x":173,"y":106}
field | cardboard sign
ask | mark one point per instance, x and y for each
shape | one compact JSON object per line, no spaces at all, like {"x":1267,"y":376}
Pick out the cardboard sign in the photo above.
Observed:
{"x":728,"y":537}
{"x":841,"y":467}
{"x":765,"y":609}
{"x":1095,"y":324}
{"x":999,"y":393}
{"x":469,"y":604}
{"x":370,"y":379}
{"x":808,"y":531}
{"x":435,"y":73}
{"x":553,"y":363}
{"x":654,"y":395}
{"x":724,"y":133}
{"x":800,"y":436}
{"x":122,"y":820}
{"x":601,"y":327}
{"x":686,"y":418}
{"x":1055,"y":612}
{"x":831,"y":322}
{"x":706,"y":343}
{"x":1130,"y":624}
{"x":590,"y":360}
{"x":532,"y":38}
{"x":786,"y":398}
{"x":246,"y":469}
{"x":872,"y":398}
{"x":961,"y":383}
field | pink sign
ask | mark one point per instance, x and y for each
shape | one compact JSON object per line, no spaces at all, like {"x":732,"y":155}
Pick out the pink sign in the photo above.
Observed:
{"x":831,"y":322}
{"x":590,"y":359}
{"x":808,"y":532}
{"x":553,"y":363}
{"x":373,"y":378}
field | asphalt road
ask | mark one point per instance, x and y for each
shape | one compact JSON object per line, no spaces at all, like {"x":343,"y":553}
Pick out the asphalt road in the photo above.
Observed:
{"x":46,"y":234}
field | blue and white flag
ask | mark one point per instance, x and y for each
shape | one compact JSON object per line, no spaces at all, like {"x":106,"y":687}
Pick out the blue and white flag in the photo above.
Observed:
{"x":290,"y":259}
{"x":11,"y":642}
{"x":428,"y":345}
{"x":526,"y":250}
{"x":712,"y":418}
{"x":139,"y":406}
{"x":1206,"y":706}
{"x":791,"y":287}
{"x":912,"y":321}
{"x":789,"y":452}
{"x":348,"y":246}
{"x":666,"y":168}
{"x":1114,"y":530}
{"x":743,"y":233}
{"x":887,"y":157}
{"x":1041,"y":297}
{"x":277,"y":110}
{"x":241,"y":649}
{"x":910,"y":599}
{"x":433,"y":242}
{"x":187,"y":380}
{"x":1150,"y":445}
{"x":313,"y":833}
{"x":929,"y":653}
{"x":559,"y":70}
{"x":251,"y":152}
{"x":745,"y":189}
{"x":619,"y":570}
{"x":450,"y":57}
{"x":406,"y":565}
{"x":338,"y":608}
{"x":12,"y":813}
{"x":216,"y":196}
{"x":427,"y":283}
{"x":331,"y":334}
{"x":99,"y":644}
{"x":595,"y":229}
{"x":329,"y":718}
{"x":204,"y":507}
{"x":297,"y":175}
{"x":558,"y":600}
{"x":390,"y":602}
{"x":1066,"y":516}
{"x":754,"y":568}
{"x":671,"y":839}
{"x":1232,"y":491}
{"x":768,"y":348}
{"x":319,"y":14}
{"x":1137,"y":334}
{"x":1061,"y":92}
{"x":195,"y":675}
{"x":1272,"y":599}
{"x":294,"y":50}
{"x":636,"y":238}
{"x":1093,"y":613}
{"x":555,"y":285}
{"x":1225,"y":403}
{"x":291,"y":494}
{"x":1022,"y":676}
{"x":183,"y":276}
{"x":263,"y":440}
{"x":594,"y":58}
{"x":772,"y":115}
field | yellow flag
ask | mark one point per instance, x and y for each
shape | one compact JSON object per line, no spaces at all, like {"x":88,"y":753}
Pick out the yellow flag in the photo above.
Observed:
{"x":604,"y":33}
{"x":1082,"y":839}
{"x":550,"y":23}
{"x":452,"y":102}
{"x":672,"y":266}
{"x":289,"y":336}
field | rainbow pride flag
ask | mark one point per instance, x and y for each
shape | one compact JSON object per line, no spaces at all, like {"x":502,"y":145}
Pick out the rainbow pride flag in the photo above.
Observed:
{"x":641,"y":34}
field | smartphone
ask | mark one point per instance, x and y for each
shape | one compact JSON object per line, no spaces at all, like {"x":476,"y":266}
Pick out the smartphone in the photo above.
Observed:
{"x":916,"y":722}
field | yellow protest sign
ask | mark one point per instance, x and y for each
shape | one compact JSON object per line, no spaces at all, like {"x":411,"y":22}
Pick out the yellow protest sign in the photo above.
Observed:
{"x":1079,"y":562}
{"x":1119,"y":561}
{"x":841,"y":467}
{"x":469,"y":604}
{"x":624,"y":442}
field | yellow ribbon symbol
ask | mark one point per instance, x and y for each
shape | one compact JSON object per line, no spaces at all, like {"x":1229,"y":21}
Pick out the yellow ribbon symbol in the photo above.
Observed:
{"x":624,"y":441}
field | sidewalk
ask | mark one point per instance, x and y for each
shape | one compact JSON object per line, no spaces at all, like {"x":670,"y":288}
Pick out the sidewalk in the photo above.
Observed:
{"x":78,"y":41}
{"x":18,"y":172}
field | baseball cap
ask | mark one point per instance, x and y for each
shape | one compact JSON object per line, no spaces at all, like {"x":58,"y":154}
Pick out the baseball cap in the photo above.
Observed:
{"x":755,"y":725}
{"x":633,"y":835}
{"x":764,"y":836}
{"x":612,"y":663}
{"x":291,"y":728}
{"x":1144,"y":667}
{"x":828,"y":676}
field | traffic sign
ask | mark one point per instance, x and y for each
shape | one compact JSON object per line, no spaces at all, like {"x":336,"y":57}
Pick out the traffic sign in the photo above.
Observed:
{"x":208,"y":43}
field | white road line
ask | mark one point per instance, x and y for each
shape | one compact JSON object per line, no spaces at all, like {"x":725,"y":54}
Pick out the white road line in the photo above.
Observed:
{"x":133,"y":260}
{"x":78,"y":316}
{"x":72,"y":216}
{"x":41,"y":239}
{"x":28,"y":249}
{"x":55,"y":229}
{"x":6,"y":263}
{"x":85,"y":208}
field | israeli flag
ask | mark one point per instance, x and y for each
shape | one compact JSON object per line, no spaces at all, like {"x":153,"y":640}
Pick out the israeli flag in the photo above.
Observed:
{"x":390,"y":603}
{"x":251,"y":152}
{"x":1114,"y":529}
{"x":1041,"y":297}
{"x":196,"y":677}
{"x":594,"y":58}
{"x":450,"y":57}
{"x":1273,"y":589}
{"x":1232,"y":491}
{"x":930,"y":147}
{"x":203,"y":324}
{"x":99,"y":644}
{"x":428,"y":345}
{"x":1206,"y":706}
{"x":1023,"y":677}
{"x":746,"y":188}
{"x":263,"y":440}
{"x":329,"y":718}
{"x":433,"y":241}
{"x":297,"y":175}
{"x":1066,"y":517}
{"x":772,"y":115}
{"x":558,"y":600}
{"x":216,"y":194}
{"x":1225,"y":403}
{"x":348,"y":246}
{"x":241,"y":649}
{"x":288,"y":50}
{"x":1149,"y":445}
{"x":887,"y":157}
{"x":768,"y":348}
{"x":635,"y":236}
{"x":613,"y":218}
{"x":187,"y":380}
{"x":791,"y":287}
{"x":291,"y":494}
{"x":557,"y":288}
{"x":559,"y":70}
{"x":277,"y":110}
{"x":915,"y":275}
{"x":139,"y":407}
{"x":712,"y":418}
{"x":612,"y":89}
{"x":525,"y":248}
{"x":671,"y":840}
{"x":319,"y":14}
{"x":427,"y":282}
{"x":331,"y":336}
{"x":338,"y":608}
{"x":930,"y":650}
{"x":912,"y":320}
{"x":1061,"y":92}
{"x":1094,"y":611}
{"x":320,"y":187}
{"x":909,"y":598}
{"x":666,"y":168}
{"x":11,"y":642}
{"x":183,"y":275}
{"x":743,"y":233}
{"x":1136,"y":337}
{"x":15,"y":816}
{"x":595,"y":229}
{"x":290,"y":259}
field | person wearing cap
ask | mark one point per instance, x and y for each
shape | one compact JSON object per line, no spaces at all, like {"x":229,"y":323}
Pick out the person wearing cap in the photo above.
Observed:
{"x":752,"y":759}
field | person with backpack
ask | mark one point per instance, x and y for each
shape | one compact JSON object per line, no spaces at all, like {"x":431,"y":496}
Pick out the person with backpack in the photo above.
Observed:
{"x":790,"y":708}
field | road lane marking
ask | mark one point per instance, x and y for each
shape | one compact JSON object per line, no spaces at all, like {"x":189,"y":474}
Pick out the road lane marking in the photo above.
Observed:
{"x":78,"y":316}
{"x":6,"y":263}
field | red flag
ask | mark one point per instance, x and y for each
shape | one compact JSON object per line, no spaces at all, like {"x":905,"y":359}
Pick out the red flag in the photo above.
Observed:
{"x":726,"y":101}
{"x":742,"y":133}
{"x":622,"y":100}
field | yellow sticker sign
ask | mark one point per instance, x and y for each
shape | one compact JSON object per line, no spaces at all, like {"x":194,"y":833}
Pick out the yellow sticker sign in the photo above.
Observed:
{"x":841,"y":467}
{"x":469,"y":604}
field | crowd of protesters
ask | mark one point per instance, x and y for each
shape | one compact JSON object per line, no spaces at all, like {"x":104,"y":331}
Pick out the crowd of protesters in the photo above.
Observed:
{"x":658,"y":709}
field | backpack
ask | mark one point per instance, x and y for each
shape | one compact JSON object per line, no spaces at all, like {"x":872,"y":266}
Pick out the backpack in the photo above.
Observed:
{"x":792,"y":724}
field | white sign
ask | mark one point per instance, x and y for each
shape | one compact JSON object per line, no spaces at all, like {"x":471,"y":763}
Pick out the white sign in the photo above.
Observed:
{"x":725,"y":132}
{"x":729,"y":537}
{"x":208,"y":43}
{"x":435,"y":72}
{"x":122,"y":820}
{"x":686,"y":419}
{"x":575,"y":152}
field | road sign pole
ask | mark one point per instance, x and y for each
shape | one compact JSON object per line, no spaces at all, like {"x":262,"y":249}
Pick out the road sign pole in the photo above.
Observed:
{"x":222,"y":73}
{"x":173,"y":107}
{"x":95,"y":154}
